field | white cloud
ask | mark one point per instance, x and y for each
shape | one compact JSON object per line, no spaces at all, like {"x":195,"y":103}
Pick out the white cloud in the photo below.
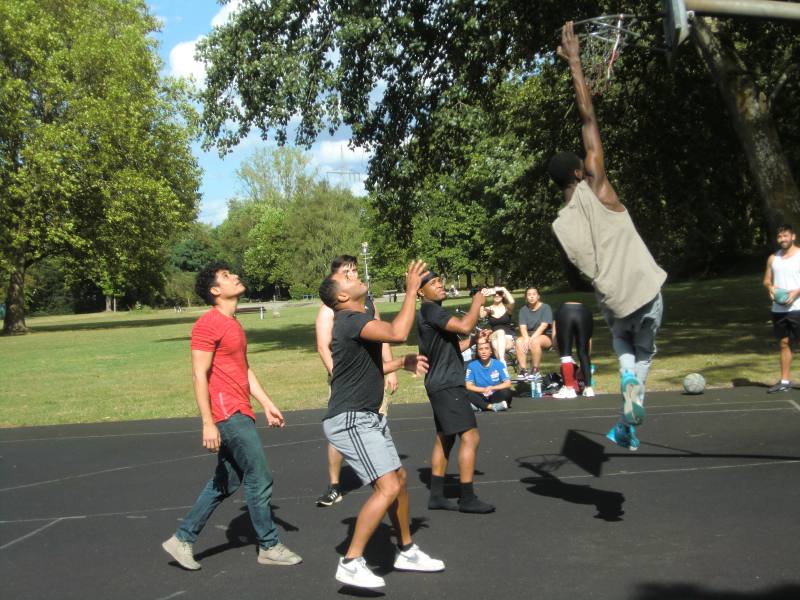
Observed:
{"x":224,"y":14}
{"x":338,"y":152}
{"x":182,"y":62}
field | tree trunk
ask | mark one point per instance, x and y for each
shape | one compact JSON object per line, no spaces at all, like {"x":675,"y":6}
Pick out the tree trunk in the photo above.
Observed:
{"x":752,"y":121}
{"x":14,"y":322}
{"x":108,"y":303}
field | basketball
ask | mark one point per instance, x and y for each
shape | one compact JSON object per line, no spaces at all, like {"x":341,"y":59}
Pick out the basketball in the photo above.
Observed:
{"x":694,"y":383}
{"x":781,"y":296}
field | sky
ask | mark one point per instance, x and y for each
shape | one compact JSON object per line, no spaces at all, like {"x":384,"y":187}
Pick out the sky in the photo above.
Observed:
{"x":184,"y":23}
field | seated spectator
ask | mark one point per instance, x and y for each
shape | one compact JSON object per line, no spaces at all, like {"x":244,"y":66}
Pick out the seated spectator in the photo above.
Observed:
{"x":574,"y":323}
{"x":488,"y":379}
{"x":535,"y":333}
{"x":499,"y":316}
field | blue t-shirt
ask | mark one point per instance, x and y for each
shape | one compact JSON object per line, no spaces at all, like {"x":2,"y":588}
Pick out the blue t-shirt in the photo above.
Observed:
{"x":482,"y":376}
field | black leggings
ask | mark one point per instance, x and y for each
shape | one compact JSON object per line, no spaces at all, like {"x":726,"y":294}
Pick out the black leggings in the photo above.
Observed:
{"x":497,"y":396}
{"x":574,"y":322}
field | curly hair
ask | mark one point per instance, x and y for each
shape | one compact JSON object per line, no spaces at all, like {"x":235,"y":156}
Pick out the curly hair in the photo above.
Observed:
{"x":206,"y":279}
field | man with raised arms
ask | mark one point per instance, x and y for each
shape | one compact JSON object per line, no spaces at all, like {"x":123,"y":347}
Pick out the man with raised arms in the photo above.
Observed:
{"x":356,"y":429}
{"x":347,"y":264}
{"x":599,"y":238}
{"x":452,"y":412}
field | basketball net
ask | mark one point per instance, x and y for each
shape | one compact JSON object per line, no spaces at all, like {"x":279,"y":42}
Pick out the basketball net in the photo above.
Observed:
{"x":602,"y":40}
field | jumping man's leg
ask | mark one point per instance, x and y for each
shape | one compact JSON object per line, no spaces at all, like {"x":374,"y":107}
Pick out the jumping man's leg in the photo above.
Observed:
{"x":385,"y":491}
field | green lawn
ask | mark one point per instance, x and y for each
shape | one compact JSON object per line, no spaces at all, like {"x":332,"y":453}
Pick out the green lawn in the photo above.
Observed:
{"x":124,"y":366}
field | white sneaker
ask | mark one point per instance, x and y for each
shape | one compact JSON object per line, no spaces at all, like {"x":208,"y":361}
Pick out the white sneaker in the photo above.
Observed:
{"x":181,"y":552}
{"x":566,"y":391}
{"x":357,"y":574}
{"x":415,"y":559}
{"x":588,"y":392}
{"x":500,"y":406}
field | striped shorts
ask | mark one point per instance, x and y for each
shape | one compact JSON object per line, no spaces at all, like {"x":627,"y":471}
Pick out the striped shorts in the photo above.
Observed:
{"x":365,"y":442}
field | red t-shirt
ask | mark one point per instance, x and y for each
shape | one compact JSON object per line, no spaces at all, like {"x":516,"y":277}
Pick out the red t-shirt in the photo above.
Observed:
{"x":228,"y":385}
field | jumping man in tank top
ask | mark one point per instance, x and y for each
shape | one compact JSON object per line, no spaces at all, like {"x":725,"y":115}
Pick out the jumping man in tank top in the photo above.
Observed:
{"x":599,"y":238}
{"x":783,"y":273}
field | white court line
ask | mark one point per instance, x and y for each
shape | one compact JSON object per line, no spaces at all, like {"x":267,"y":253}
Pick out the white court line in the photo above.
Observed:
{"x":627,"y":473}
{"x":317,"y":440}
{"x":795,"y":404}
{"x":32,"y":533}
{"x":175,"y":595}
{"x":392,"y":420}
{"x":367,"y":490}
{"x":158,"y":462}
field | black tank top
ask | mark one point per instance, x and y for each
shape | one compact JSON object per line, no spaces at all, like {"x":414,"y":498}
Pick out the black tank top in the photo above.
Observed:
{"x":505,"y":323}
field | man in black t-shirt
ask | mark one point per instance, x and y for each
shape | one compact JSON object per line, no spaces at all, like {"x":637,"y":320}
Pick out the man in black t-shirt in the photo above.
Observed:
{"x":438,"y":340}
{"x":358,"y":431}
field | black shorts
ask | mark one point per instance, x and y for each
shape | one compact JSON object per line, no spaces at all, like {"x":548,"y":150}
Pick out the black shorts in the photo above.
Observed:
{"x":786,"y":325}
{"x":452,"y":410}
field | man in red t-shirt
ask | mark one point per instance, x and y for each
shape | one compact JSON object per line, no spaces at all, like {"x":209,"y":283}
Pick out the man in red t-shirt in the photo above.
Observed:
{"x":223,"y":383}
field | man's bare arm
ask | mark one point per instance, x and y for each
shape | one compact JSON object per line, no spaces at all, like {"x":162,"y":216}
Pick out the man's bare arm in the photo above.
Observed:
{"x":594,"y":163}
{"x":201,"y":365}
{"x":464,"y":325}
{"x":324,"y":330}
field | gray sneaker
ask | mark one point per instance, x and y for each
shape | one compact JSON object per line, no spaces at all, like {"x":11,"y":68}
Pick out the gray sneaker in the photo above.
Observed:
{"x":780,"y":387}
{"x":278,"y":555}
{"x":181,"y":552}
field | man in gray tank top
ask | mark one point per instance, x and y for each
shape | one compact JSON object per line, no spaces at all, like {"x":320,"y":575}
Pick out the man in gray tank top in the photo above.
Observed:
{"x":600,"y":239}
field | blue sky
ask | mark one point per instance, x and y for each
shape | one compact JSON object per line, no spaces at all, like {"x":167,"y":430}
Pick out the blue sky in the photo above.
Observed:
{"x":184,"y":23}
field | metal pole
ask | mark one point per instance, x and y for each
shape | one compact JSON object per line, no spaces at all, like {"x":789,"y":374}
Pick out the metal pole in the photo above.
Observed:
{"x":766,"y":9}
{"x":365,"y":250}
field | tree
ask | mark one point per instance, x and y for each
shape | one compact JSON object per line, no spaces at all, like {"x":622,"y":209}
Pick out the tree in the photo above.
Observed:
{"x":320,"y":225}
{"x":95,"y":164}
{"x":461,"y":102}
{"x":275,"y":176}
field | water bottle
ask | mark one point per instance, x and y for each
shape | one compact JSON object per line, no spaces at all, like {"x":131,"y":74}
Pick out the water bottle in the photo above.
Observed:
{"x":536,"y":386}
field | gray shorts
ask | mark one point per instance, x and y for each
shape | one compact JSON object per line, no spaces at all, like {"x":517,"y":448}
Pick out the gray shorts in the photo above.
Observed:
{"x":365,"y":442}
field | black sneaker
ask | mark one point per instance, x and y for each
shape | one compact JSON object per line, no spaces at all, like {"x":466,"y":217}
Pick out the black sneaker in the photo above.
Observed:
{"x":780,"y":387}
{"x":522,"y":375}
{"x":332,"y":496}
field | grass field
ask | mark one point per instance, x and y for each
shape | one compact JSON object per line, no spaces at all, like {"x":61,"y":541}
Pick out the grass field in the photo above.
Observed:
{"x":126,"y":366}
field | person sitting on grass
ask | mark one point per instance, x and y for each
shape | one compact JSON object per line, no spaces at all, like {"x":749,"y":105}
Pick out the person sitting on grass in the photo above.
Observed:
{"x":487,"y":378}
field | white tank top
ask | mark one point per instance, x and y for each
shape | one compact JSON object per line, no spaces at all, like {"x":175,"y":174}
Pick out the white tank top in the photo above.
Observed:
{"x":786,"y":275}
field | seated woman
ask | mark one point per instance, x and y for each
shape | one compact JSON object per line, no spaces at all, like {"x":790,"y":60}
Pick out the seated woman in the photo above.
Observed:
{"x":487,"y":378}
{"x":499,"y":315}
{"x":574,"y":323}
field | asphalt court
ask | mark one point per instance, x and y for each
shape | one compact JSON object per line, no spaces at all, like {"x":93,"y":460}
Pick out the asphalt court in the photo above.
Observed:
{"x":707,"y":508}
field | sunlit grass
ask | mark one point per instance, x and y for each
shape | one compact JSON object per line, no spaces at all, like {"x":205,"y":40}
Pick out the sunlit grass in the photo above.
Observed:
{"x":126,"y":366}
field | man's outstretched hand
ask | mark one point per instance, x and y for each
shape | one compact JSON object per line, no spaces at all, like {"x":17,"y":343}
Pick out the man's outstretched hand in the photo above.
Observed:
{"x":416,"y":271}
{"x":570,"y":48}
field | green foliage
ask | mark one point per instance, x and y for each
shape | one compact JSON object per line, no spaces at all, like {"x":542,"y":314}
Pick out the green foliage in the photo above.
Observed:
{"x":95,"y":164}
{"x":320,"y":225}
{"x":471,"y":107}
{"x":275,"y":176}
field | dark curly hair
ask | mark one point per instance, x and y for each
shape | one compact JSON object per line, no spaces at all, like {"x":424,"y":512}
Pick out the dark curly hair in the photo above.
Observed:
{"x":206,"y":279}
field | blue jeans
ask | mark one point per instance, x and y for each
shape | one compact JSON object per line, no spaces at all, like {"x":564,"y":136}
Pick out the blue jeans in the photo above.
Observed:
{"x":634,"y":339}
{"x":240,"y":460}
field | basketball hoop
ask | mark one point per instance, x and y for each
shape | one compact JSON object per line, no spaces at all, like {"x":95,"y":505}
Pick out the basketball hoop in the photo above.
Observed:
{"x":602,"y":41}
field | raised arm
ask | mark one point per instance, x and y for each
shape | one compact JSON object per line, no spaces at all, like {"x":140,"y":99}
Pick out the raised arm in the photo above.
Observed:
{"x":397,"y":331}
{"x":464,"y":325}
{"x":594,"y":163}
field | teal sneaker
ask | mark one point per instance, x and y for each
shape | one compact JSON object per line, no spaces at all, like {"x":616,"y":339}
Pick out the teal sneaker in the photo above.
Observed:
{"x":632,"y":407}
{"x":619,"y":435}
{"x":633,"y":444}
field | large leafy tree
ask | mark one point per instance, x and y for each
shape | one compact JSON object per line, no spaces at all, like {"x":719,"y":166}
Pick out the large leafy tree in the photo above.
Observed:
{"x":95,"y":164}
{"x":462,"y":103}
